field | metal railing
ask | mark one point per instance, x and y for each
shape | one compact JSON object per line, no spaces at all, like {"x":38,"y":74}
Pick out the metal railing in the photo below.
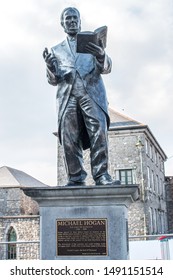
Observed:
{"x":20,"y":250}
{"x":30,"y":250}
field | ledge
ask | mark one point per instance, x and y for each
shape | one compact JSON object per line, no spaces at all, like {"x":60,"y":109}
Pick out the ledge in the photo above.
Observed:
{"x":83,"y":195}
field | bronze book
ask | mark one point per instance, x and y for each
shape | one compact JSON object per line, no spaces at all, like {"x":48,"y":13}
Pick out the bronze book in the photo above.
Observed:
{"x":83,"y":38}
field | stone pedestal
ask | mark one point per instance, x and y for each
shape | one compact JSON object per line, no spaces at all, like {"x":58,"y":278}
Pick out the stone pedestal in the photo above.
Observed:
{"x":86,"y":223}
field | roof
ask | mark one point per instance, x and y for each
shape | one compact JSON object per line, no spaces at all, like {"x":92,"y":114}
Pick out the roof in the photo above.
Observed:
{"x":10,"y":177}
{"x":119,"y":120}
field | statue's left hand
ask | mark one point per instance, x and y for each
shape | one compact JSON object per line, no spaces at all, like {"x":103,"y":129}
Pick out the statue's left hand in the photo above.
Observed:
{"x":95,"y":50}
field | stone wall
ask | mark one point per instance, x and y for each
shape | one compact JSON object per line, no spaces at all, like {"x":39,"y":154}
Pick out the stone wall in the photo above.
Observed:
{"x":14,"y":202}
{"x":10,"y":201}
{"x":169,"y":198}
{"x":19,"y":212}
{"x":123,"y":153}
{"x":136,"y":219}
{"x":27,"y":229}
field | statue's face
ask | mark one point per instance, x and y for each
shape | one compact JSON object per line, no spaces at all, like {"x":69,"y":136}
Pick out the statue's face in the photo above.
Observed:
{"x":71,"y":22}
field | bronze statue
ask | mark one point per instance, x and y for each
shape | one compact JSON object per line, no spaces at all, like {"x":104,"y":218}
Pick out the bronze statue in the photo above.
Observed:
{"x":83,"y":118}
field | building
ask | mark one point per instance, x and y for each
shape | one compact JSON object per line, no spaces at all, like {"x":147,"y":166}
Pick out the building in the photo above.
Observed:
{"x":19,"y":216}
{"x":169,"y":201}
{"x":135,"y":157}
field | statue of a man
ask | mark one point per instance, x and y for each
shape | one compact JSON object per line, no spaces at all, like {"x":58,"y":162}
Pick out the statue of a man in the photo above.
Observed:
{"x":83,"y":118}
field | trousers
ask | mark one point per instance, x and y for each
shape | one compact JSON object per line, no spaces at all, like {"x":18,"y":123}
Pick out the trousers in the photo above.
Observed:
{"x":83,"y":113}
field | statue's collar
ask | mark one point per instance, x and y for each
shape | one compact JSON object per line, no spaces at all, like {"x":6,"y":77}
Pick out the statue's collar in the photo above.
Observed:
{"x":71,"y":38}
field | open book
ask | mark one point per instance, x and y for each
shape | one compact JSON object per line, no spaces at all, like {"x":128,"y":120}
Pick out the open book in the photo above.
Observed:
{"x":83,"y":38}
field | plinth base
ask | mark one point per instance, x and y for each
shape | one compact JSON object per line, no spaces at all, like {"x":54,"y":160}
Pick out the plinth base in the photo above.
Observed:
{"x":86,"y":223}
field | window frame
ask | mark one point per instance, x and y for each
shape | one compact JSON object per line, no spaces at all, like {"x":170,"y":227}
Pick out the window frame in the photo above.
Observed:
{"x":11,"y":247}
{"x":129,"y":180}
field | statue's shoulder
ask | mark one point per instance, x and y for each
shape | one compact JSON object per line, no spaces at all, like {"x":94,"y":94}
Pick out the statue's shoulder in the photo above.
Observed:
{"x":59,"y":46}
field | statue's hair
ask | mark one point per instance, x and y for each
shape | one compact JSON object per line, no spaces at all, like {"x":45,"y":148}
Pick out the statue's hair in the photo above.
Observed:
{"x":66,"y":9}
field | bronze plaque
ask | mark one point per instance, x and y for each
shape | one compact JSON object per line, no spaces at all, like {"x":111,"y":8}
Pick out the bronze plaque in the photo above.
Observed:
{"x":82,"y":237}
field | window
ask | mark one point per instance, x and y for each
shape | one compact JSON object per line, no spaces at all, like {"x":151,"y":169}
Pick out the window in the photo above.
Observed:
{"x":161,"y":165}
{"x":152,"y":181}
{"x":163,"y":221}
{"x":157,"y":185}
{"x":151,"y":151}
{"x":149,"y":178}
{"x":154,"y":156}
{"x":159,"y":159}
{"x":154,"y":220}
{"x":157,"y":220}
{"x":12,"y":237}
{"x":147,"y":146}
{"x":161,"y":187}
{"x":126,"y":177}
{"x":160,"y":222}
{"x":151,"y":220}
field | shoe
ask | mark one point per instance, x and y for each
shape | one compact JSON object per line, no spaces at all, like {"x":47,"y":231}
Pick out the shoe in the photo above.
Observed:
{"x":72,"y":183}
{"x":117,"y":182}
{"x":107,"y":180}
{"x":104,"y":180}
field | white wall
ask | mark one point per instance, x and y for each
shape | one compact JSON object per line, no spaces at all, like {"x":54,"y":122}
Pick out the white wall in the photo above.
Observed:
{"x":149,"y":250}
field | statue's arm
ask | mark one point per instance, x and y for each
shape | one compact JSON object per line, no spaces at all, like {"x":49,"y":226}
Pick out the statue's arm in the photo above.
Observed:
{"x":105,"y":66}
{"x":51,"y":77}
{"x":51,"y":64}
{"x":103,"y":61}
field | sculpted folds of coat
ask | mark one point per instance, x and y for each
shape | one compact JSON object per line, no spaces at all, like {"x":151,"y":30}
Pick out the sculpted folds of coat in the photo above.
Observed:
{"x":89,"y":70}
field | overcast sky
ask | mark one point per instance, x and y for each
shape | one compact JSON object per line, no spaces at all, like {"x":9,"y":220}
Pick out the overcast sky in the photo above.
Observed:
{"x":140,"y":43}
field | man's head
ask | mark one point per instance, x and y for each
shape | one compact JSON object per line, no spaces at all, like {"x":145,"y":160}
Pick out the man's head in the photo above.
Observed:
{"x":70,"y":21}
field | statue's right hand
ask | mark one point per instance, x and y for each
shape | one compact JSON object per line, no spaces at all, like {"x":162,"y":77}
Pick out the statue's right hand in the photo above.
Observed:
{"x":49,"y":59}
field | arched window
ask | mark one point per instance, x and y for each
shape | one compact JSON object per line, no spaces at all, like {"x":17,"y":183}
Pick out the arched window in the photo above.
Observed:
{"x":11,"y":237}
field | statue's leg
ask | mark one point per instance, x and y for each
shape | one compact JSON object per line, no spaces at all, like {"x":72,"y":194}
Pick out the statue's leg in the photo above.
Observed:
{"x":95,"y":122}
{"x":70,"y":134}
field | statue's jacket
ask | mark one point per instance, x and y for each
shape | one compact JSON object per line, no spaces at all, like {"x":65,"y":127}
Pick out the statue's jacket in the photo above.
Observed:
{"x":89,"y":70}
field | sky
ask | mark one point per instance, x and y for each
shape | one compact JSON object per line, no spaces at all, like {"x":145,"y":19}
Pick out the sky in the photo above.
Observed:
{"x":140,"y":40}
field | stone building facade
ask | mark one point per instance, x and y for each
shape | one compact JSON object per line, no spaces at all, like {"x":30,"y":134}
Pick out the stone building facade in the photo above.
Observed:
{"x":135,"y":157}
{"x":19,"y":216}
{"x":169,"y":195}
